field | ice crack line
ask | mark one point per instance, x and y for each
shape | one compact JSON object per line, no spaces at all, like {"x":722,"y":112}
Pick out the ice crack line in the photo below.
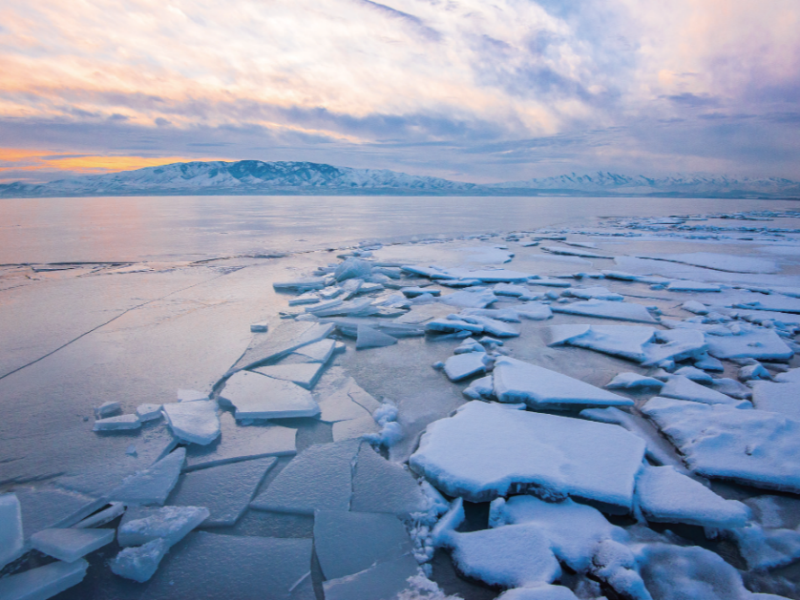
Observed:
{"x":122,"y":314}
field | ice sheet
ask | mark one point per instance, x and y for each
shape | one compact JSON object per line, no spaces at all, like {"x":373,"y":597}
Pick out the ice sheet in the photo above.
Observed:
{"x":256,"y":396}
{"x":53,"y":507}
{"x":141,"y":562}
{"x":621,"y":311}
{"x":469,"y":299}
{"x":71,"y":544}
{"x":43,"y":582}
{"x":372,"y":338}
{"x":632,"y":381}
{"x":382,"y":486}
{"x":761,"y":345}
{"x":461,"y":366}
{"x":284,"y":339}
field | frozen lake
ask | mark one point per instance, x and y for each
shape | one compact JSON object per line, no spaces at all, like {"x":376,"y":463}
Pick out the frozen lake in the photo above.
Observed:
{"x":129,"y":300}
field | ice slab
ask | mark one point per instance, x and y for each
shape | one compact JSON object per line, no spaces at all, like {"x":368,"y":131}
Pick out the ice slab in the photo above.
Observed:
{"x":682,"y":388}
{"x":122,"y":422}
{"x":71,"y":544}
{"x":572,"y":530}
{"x":148,"y":412}
{"x":469,"y":345}
{"x":547,"y":282}
{"x":485,"y":451}
{"x":301,"y":285}
{"x":141,"y":562}
{"x":753,"y":372}
{"x":339,"y":403}
{"x":413,"y":292}
{"x":384,"y":581}
{"x":535,"y":311}
{"x":226,"y":491}
{"x":307,"y":298}
{"x":461,"y":366}
{"x":509,"y":556}
{"x":517,"y":381}
{"x":355,"y":428}
{"x":256,"y":396}
{"x":12,"y":540}
{"x":172,"y":523}
{"x":596,"y":293}
{"x":284,"y":339}
{"x":453,"y":325}
{"x":753,"y":447}
{"x":305,"y":375}
{"x":764,"y":548}
{"x":381,"y":486}
{"x":684,"y":285}
{"x":491,"y":326}
{"x":540,"y":592}
{"x":675,"y":345}
{"x":367,"y":337}
{"x":261,"y":327}
{"x":732,"y":388}
{"x":237,"y":443}
{"x":107,"y":409}
{"x":783,"y":398}
{"x":510,"y":289}
{"x":350,"y":542}
{"x":481,"y":388}
{"x":319,"y":478}
{"x":53,"y":507}
{"x":621,"y":311}
{"x":194,"y":422}
{"x":318,"y":352}
{"x":191,"y":396}
{"x":489,"y":275}
{"x":626,"y":341}
{"x":43,"y":582}
{"x":720,"y":262}
{"x":353,"y":268}
{"x":470,"y":299}
{"x":666,"y":496}
{"x":615,"y":565}
{"x":695,"y":375}
{"x":153,"y":485}
{"x":761,"y":345}
{"x":633,"y":381}
{"x":570,"y":252}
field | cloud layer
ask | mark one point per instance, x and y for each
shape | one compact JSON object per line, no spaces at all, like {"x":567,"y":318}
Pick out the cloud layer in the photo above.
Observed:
{"x":472,"y":90}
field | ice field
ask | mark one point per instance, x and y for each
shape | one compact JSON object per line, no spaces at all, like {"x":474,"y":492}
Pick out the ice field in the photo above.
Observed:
{"x":538,"y":406}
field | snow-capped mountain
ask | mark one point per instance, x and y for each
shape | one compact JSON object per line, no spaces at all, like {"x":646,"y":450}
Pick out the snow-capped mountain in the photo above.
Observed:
{"x":257,"y":177}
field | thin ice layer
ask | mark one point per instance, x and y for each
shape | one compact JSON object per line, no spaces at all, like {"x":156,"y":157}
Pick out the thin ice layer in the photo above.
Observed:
{"x":153,"y":485}
{"x":225,"y":491}
{"x":281,"y":341}
{"x":384,"y":581}
{"x":71,"y":544}
{"x":12,"y":541}
{"x":319,"y":478}
{"x":603,"y":309}
{"x":517,"y":381}
{"x":485,"y":451}
{"x":194,"y":422}
{"x":382,"y":486}
{"x":43,"y":582}
{"x":754,"y":447}
{"x":305,"y":375}
{"x":53,"y":507}
{"x":355,"y":428}
{"x":256,"y":396}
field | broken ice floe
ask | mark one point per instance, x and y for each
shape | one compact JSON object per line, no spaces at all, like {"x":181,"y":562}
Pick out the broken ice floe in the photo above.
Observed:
{"x":153,"y":485}
{"x":107,"y":409}
{"x":12,"y":540}
{"x":387,"y":579}
{"x":282,"y":341}
{"x":305,"y":375}
{"x":195,"y":422}
{"x":633,"y":381}
{"x":120,"y":423}
{"x":257,"y":396}
{"x":682,"y":388}
{"x":71,"y":544}
{"x":622,"y":311}
{"x":461,"y":366}
{"x":778,"y":397}
{"x":43,"y":582}
{"x":571,"y":252}
{"x":148,"y":412}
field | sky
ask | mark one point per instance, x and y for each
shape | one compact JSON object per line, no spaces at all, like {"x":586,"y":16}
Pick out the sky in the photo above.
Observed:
{"x":471,"y":90}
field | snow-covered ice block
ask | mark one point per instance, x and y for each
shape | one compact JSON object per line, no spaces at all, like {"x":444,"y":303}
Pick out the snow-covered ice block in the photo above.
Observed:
{"x":480,"y":388}
{"x":225,"y":491}
{"x":655,"y":445}
{"x":139,"y":563}
{"x":681,"y":388}
{"x":751,"y":372}
{"x":761,"y":345}
{"x":261,"y":327}
{"x":469,"y":345}
{"x":535,"y":311}
{"x":732,"y":388}
{"x":771,"y":303}
{"x":753,"y":447}
{"x":382,"y":486}
{"x":695,"y":375}
{"x":539,"y":592}
{"x":208,"y":565}
{"x":781,"y":398}
{"x":319,"y":478}
{"x":596,"y":293}
{"x":256,"y":396}
{"x":666,"y":496}
{"x":453,"y":325}
{"x":485,"y":451}
{"x":509,"y":556}
{"x":148,"y":412}
{"x":12,"y":540}
{"x":720,"y":262}
{"x":572,"y":530}
{"x":350,"y":542}
{"x":626,"y":341}
{"x":43,"y":582}
{"x":621,"y":311}
{"x":238,"y":443}
{"x":120,"y":423}
{"x":372,"y":338}
{"x":305,"y":375}
{"x":510,"y":289}
{"x":191,"y":396}
{"x":764,"y":548}
{"x":153,"y":485}
{"x":615,"y":565}
{"x":107,"y":409}
{"x":709,"y":363}
{"x":517,"y":381}
{"x":172,"y":523}
{"x":633,"y":381}
{"x":385,"y":581}
{"x":692,"y":286}
{"x":461,"y":366}
{"x":301,"y":285}
{"x":695,"y":307}
{"x":194,"y":422}
{"x":676,"y":344}
{"x":355,"y":428}
{"x":53,"y":507}
{"x":490,"y":275}
{"x":71,"y":544}
{"x":470,"y":299}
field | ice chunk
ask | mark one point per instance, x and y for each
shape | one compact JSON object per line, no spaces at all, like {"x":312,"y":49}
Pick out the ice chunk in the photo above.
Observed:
{"x":339,"y":404}
{"x":225,"y":491}
{"x":547,"y":282}
{"x":53,"y":507}
{"x":353,"y":268}
{"x":666,"y":496}
{"x":535,"y":311}
{"x":307,"y":298}
{"x":709,"y":363}
{"x":693,"y":306}
{"x":678,"y":344}
{"x":633,"y":381}
{"x":381,"y":486}
{"x":510,"y":289}
{"x":12,"y":541}
{"x":355,"y":428}
{"x":732,"y":388}
{"x":194,"y":422}
{"x":71,"y":544}
{"x":281,"y":341}
{"x":517,"y":381}
{"x":540,"y":592}
{"x":572,"y":530}
{"x":319,"y":478}
{"x":485,"y":451}
{"x":261,"y":327}
{"x":491,"y":326}
{"x":470,"y":299}
{"x":754,"y":447}
{"x":43,"y":582}
{"x":139,"y":563}
{"x":114,"y":510}
{"x":318,"y":352}
{"x":384,"y":581}
{"x":489,"y":275}
{"x":238,"y":443}
{"x":509,"y":556}
{"x":172,"y":523}
{"x":107,"y":409}
{"x":148,"y":412}
{"x":413,"y":292}
{"x":256,"y":396}
{"x":461,"y":366}
{"x":781,"y":398}
{"x":597,"y":293}
{"x":301,"y":285}
{"x":350,"y":542}
{"x":692,"y":286}
{"x":469,"y":345}
{"x":761,"y":345}
{"x":153,"y":485}
{"x":622,"y":311}
{"x":122,"y":422}
{"x":681,"y":388}
{"x":191,"y":396}
{"x":571,"y":252}
{"x":372,"y":338}
{"x":453,"y":325}
{"x":695,"y":375}
{"x":767,"y":548}
{"x":614,"y":564}
{"x":305,"y":375}
{"x":263,"y":568}
{"x":756,"y":371}
{"x":481,"y":388}
{"x":625,"y":341}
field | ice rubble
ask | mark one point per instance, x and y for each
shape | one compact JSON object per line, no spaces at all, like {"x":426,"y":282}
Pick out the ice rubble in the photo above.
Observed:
{"x":172,"y":523}
{"x":257,"y":396}
{"x":194,"y":422}
{"x":43,"y":582}
{"x":621,"y":311}
{"x":485,"y":451}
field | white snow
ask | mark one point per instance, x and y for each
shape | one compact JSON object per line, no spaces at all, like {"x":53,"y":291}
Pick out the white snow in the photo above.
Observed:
{"x":621,"y":311}
{"x":256,"y":396}
{"x":71,"y":544}
{"x":625,"y":341}
{"x":172,"y":523}
{"x":43,"y":582}
{"x":194,"y":422}
{"x":481,"y":388}
{"x":695,"y":375}
{"x":776,"y":397}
